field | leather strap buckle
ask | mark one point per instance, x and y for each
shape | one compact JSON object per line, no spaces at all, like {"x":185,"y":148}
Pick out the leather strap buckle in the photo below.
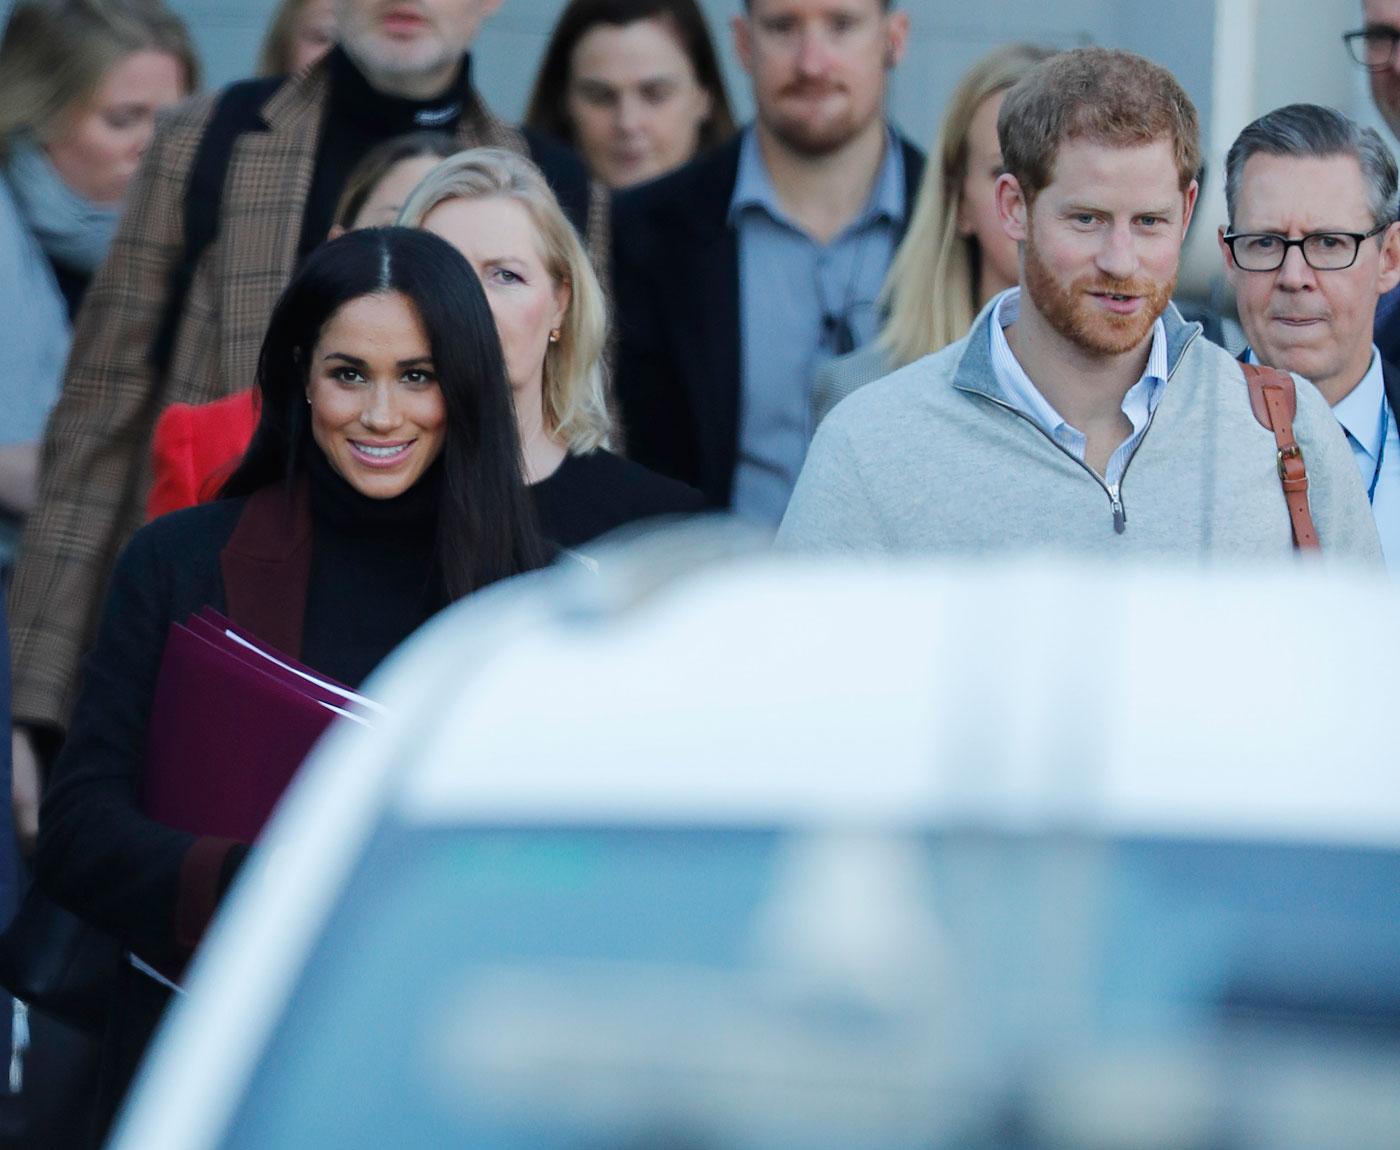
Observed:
{"x":1290,"y":459}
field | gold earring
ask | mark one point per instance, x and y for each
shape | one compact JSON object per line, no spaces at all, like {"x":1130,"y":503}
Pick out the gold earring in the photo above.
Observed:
{"x":554,"y":336}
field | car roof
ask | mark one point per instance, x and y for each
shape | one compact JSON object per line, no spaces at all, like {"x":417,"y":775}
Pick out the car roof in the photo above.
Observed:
{"x":1243,"y":701}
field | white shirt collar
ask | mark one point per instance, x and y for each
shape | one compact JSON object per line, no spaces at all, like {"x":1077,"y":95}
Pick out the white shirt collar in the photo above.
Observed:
{"x":1012,"y":376}
{"x":1359,"y":411}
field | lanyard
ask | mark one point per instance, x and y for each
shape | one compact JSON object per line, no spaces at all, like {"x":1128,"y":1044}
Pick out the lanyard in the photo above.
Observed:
{"x":1380,"y":455}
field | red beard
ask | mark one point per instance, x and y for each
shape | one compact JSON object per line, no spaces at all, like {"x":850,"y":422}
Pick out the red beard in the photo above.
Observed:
{"x":1073,"y":314}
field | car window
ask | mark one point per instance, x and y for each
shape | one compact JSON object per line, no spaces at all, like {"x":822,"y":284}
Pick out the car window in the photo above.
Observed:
{"x":622,"y":987}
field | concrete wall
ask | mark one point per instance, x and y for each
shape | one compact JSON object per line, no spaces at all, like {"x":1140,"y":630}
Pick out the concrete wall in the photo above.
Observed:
{"x":1237,"y":59}
{"x":946,"y":37}
{"x":1293,"y":51}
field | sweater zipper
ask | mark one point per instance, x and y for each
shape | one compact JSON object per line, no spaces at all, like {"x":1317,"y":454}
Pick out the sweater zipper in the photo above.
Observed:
{"x":1112,"y":490}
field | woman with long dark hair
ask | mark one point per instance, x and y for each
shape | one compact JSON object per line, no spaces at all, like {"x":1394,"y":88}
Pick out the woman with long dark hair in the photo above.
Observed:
{"x":634,"y":85}
{"x":383,"y":481}
{"x":196,"y":446}
{"x":484,"y":522}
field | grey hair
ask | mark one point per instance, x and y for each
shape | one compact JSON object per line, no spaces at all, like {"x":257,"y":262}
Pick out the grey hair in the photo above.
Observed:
{"x":1312,"y":130}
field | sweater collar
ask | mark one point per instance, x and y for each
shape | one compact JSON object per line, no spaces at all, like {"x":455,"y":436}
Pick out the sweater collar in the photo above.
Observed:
{"x":354,"y":98}
{"x":335,"y":502}
{"x":974,"y":372}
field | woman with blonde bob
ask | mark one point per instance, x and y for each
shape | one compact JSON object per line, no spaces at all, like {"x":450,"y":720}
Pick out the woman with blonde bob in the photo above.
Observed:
{"x":955,"y":256}
{"x":497,"y":210}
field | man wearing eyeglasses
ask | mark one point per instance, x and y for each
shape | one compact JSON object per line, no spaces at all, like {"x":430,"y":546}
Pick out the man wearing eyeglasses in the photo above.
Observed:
{"x":1374,"y":48}
{"x":1081,"y":414}
{"x":1312,"y":245}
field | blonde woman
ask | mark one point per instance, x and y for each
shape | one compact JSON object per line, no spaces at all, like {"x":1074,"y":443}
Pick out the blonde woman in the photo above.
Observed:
{"x":955,"y":256}
{"x":80,"y":84}
{"x":496,"y":209}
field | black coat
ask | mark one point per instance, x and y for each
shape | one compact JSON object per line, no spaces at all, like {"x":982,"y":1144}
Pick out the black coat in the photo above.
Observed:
{"x":676,"y":281}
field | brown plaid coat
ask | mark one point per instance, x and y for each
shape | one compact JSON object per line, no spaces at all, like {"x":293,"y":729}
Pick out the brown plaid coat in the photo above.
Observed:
{"x":96,"y":461}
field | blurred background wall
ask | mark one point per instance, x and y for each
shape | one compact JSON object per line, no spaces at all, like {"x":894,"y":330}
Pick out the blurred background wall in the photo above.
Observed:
{"x":1237,"y":58}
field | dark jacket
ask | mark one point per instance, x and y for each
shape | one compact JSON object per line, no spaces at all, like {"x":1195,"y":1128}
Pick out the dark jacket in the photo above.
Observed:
{"x":96,"y":467}
{"x":1387,"y":329}
{"x":335,"y":589}
{"x":676,"y":279}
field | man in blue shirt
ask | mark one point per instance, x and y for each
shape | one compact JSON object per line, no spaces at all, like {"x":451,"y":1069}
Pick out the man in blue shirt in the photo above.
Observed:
{"x":739,"y":274}
{"x":1311,"y":246}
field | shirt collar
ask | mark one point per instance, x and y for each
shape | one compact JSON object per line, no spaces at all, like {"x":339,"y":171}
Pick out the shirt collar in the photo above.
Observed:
{"x":1359,"y":411}
{"x":1006,"y":308}
{"x":753,"y":188}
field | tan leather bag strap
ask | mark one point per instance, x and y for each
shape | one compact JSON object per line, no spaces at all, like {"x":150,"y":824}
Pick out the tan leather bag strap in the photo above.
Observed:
{"x":1274,"y":401}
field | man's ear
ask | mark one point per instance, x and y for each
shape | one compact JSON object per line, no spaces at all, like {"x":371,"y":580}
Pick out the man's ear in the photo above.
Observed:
{"x":896,"y":37}
{"x":742,"y":32}
{"x":1193,"y":191}
{"x":1389,"y":270}
{"x":1224,"y":247}
{"x":1012,"y":207}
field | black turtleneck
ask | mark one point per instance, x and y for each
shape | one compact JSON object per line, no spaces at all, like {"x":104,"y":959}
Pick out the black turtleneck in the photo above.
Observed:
{"x":357,"y":118}
{"x":372,"y":581}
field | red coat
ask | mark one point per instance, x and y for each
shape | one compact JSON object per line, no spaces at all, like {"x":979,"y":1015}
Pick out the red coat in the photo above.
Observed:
{"x":196,"y":447}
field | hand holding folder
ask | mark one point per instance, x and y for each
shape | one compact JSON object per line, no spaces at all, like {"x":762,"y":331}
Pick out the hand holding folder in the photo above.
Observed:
{"x":231,"y":721}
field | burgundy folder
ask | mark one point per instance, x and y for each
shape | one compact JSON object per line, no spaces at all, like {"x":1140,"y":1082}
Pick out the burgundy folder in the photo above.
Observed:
{"x":228,"y":730}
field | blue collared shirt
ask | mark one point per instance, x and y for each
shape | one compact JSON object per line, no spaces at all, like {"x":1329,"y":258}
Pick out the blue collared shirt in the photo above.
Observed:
{"x":1138,"y":404}
{"x":788,"y":283}
{"x":1363,"y":412}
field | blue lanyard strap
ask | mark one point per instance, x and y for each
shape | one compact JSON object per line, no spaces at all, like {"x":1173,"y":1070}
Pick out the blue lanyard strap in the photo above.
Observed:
{"x":1380,"y":455}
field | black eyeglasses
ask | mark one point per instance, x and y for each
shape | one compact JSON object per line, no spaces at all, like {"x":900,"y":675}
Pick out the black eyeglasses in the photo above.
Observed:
{"x":1373,"y":47}
{"x":1323,"y":251}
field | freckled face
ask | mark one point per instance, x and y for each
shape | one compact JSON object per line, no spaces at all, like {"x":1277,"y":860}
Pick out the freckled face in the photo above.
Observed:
{"x":500,"y":241}
{"x":376,"y":409}
{"x":97,"y":146}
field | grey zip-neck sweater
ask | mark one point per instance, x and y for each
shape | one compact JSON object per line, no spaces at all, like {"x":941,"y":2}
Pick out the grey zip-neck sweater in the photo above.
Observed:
{"x":936,"y":459}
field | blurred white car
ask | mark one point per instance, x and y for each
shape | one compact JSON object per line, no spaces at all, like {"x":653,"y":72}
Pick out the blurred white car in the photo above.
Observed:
{"x":783,"y":854}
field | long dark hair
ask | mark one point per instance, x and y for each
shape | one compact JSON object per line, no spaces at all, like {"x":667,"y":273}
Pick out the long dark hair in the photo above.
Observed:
{"x":486,"y":522}
{"x":547,"y":111}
